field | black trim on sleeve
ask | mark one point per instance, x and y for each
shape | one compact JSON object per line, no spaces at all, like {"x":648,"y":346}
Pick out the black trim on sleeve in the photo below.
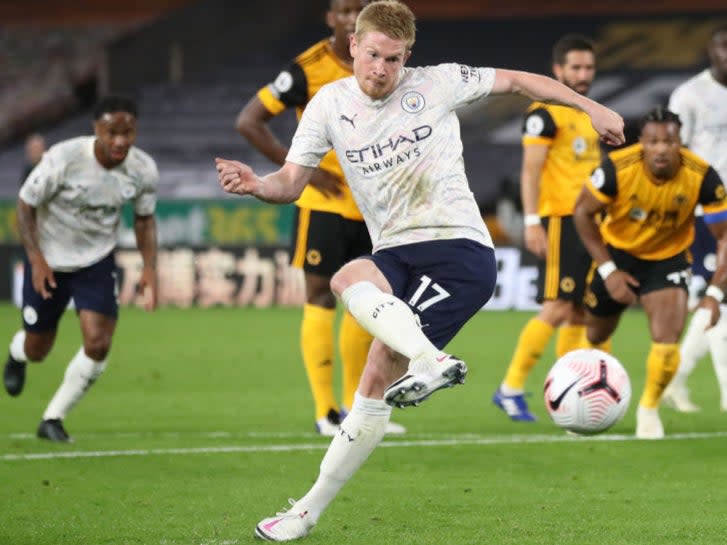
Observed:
{"x":291,"y":86}
{"x":712,"y":189}
{"x":539,"y":122}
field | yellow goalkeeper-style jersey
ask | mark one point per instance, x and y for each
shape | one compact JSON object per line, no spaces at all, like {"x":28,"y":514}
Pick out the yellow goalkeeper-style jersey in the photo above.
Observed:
{"x":293,"y":88}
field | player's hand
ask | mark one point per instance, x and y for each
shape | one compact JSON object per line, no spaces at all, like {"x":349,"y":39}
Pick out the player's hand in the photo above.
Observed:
{"x":236,"y":177}
{"x":608,"y":124}
{"x":149,"y":288}
{"x":712,"y":305}
{"x":43,"y":278}
{"x":536,"y":240}
{"x":619,"y":284}
{"x":327,"y":183}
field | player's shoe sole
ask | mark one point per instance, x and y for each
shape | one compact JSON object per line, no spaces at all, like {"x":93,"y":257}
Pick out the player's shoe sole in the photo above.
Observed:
{"x":412,"y":389}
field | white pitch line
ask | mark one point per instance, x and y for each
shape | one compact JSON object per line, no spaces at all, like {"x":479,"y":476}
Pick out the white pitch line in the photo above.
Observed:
{"x":462,"y":441}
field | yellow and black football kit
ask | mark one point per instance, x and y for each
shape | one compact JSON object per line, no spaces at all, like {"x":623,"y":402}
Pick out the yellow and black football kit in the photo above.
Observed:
{"x":573,"y":153}
{"x":328,"y":232}
{"x":317,"y":248}
{"x":649,"y":224}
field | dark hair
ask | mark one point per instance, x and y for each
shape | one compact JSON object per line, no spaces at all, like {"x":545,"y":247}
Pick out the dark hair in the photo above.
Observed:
{"x":568,"y":43}
{"x":659,"y":115}
{"x":114,"y":103}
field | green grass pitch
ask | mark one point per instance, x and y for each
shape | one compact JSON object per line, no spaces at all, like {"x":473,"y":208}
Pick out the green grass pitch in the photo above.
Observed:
{"x":202,"y":425}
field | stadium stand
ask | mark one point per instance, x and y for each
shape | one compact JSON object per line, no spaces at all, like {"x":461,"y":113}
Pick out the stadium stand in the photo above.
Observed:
{"x":188,"y":104}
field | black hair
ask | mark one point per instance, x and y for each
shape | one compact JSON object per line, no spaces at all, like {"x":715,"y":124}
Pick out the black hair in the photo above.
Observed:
{"x":114,"y":103}
{"x":659,"y":115}
{"x":568,"y":43}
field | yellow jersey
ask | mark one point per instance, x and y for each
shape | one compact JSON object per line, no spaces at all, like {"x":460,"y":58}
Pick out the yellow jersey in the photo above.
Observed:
{"x":649,"y":218}
{"x":293,"y":88}
{"x":573,"y":153}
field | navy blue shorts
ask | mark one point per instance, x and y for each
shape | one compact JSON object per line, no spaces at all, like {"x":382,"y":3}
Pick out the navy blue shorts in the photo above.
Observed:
{"x":444,"y":282}
{"x":92,"y":288}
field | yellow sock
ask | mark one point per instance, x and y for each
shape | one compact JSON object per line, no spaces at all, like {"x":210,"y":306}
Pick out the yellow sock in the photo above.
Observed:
{"x":661,"y":365}
{"x":530,"y":346}
{"x":316,"y":344}
{"x":570,"y":337}
{"x":353,"y":344}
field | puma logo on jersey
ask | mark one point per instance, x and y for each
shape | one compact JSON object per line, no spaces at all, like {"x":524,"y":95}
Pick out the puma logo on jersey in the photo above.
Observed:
{"x":349,"y":119}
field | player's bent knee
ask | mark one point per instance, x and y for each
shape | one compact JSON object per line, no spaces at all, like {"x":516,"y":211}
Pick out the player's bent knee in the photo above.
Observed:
{"x":37,"y":354}
{"x":97,"y":349}
{"x":339,"y":283}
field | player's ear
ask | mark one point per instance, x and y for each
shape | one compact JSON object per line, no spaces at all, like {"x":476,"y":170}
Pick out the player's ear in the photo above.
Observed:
{"x":331,"y":19}
{"x":406,"y":57}
{"x":352,"y":44}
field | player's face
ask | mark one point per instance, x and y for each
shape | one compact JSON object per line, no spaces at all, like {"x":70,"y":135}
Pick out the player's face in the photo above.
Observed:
{"x":377,"y":61}
{"x":718,"y":55}
{"x":661,"y":144}
{"x":342,"y":17}
{"x":34,"y":149}
{"x":578,"y":70}
{"x":115,"y":134}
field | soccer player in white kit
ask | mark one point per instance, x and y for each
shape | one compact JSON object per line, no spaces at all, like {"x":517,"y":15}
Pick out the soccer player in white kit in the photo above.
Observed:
{"x":701,"y":103}
{"x":397,"y":137}
{"x":68,"y":217}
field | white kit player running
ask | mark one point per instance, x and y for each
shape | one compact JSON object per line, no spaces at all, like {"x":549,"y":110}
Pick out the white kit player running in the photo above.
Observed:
{"x":701,"y":103}
{"x":68,"y":217}
{"x":397,"y":137}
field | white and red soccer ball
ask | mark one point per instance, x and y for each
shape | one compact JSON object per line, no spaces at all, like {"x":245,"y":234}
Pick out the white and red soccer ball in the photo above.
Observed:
{"x":587,"y":391}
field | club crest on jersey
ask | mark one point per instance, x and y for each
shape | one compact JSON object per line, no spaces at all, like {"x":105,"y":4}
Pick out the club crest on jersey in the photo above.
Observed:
{"x":579,"y":145}
{"x":412,"y":102}
{"x":127,"y":191}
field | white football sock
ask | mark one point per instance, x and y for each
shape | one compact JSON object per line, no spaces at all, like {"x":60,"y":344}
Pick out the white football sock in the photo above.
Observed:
{"x":387,"y":318}
{"x":360,"y":433}
{"x":718,"y":350}
{"x":693,"y":347}
{"x":17,"y":346}
{"x":80,"y":374}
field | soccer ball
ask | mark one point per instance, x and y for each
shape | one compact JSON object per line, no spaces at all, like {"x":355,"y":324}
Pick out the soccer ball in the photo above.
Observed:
{"x":587,"y":391}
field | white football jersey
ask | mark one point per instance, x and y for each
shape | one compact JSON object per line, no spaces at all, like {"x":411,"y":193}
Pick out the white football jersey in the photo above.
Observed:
{"x":701,"y":103}
{"x":402,"y":155}
{"x":78,"y":202}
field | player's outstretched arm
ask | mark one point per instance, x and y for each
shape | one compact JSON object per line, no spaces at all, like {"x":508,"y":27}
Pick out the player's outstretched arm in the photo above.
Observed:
{"x":608,"y":124}
{"x":280,"y":187}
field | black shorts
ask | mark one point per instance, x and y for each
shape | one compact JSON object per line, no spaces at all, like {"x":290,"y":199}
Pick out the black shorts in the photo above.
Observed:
{"x":563,"y":273}
{"x":323,"y":242}
{"x":92,"y":288}
{"x":673,"y":272}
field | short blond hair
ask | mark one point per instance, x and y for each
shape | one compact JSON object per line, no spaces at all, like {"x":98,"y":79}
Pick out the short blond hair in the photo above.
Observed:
{"x":389,"y":17}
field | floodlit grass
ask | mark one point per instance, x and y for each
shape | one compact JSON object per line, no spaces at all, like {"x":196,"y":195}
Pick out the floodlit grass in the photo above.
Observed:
{"x":202,"y":425}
